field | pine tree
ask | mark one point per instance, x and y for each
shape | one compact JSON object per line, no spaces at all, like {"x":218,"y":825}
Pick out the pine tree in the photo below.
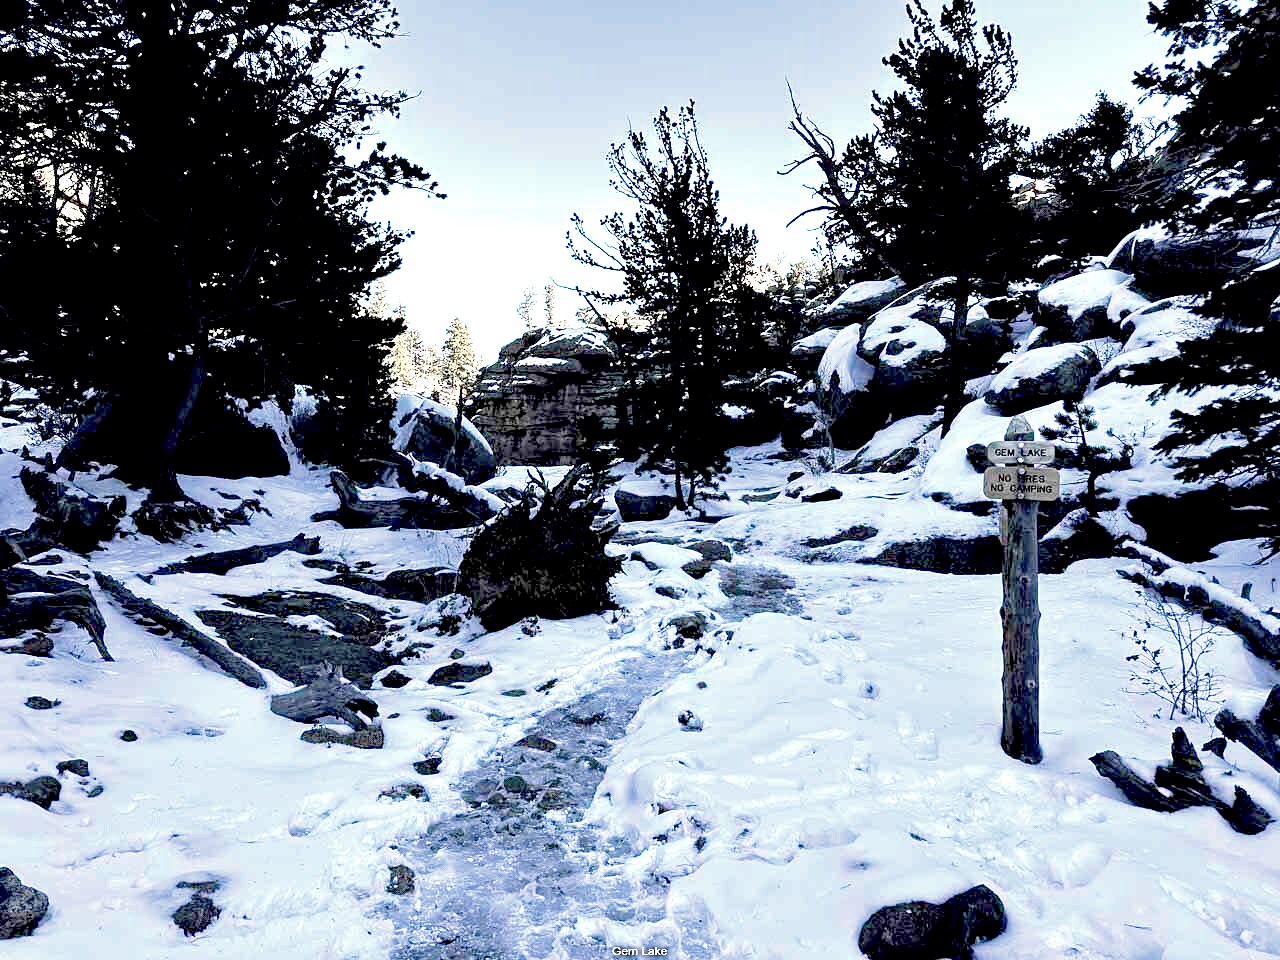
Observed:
{"x":458,"y":368}
{"x":220,"y":244}
{"x":684,"y":268}
{"x":410,"y":361}
{"x":1095,"y":168}
{"x":1226,"y":181}
{"x":926,"y":194}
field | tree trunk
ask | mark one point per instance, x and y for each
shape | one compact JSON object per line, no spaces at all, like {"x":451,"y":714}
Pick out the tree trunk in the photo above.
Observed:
{"x":956,"y":369}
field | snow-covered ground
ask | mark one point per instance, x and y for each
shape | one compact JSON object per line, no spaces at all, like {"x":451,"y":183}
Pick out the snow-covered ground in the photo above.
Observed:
{"x":848,"y":755}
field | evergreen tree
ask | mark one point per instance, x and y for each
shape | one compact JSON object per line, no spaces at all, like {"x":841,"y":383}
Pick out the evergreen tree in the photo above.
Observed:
{"x":524,"y":309}
{"x":196,"y":158}
{"x":458,"y":368}
{"x":926,"y":194}
{"x":1226,"y":181}
{"x":410,"y":361}
{"x":549,"y":302}
{"x":684,"y":269}
{"x":1095,"y":168}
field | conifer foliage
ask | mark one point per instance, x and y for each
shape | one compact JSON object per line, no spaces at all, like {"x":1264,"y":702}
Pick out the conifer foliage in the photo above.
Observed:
{"x":926,"y":194}
{"x":188,"y":165}
{"x":1226,"y":181}
{"x":684,"y":269}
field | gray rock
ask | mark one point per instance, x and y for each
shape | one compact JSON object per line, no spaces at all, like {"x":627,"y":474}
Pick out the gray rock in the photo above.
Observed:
{"x":21,"y":907}
{"x":78,"y":767}
{"x":1171,"y":266}
{"x":370,"y":738}
{"x":862,"y":300}
{"x":1041,"y":376}
{"x":530,"y":404}
{"x":42,"y":703}
{"x":459,"y":673}
{"x":429,"y":436}
{"x":944,"y":555}
{"x":689,"y":625}
{"x":401,"y":882}
{"x":536,"y":742}
{"x":919,"y":930}
{"x":711,"y":549}
{"x":640,"y":506}
{"x":42,"y":791}
{"x":196,"y":915}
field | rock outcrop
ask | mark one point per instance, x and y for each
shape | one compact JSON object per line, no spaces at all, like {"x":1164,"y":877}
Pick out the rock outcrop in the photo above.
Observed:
{"x":425,"y":431}
{"x":530,"y":403}
{"x":1041,"y":376}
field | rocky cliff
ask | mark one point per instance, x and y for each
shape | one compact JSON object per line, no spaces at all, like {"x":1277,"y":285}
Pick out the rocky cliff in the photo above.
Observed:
{"x":530,"y":402}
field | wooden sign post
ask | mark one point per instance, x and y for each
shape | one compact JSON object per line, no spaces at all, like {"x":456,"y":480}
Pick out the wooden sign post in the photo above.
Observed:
{"x":1020,"y":484}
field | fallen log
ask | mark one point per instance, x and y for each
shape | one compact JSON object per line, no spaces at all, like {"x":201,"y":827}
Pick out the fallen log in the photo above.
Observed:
{"x":223,"y":560}
{"x":438,"y":506}
{"x":30,"y":601}
{"x":328,"y":694}
{"x":1262,"y":736}
{"x":227,"y":659}
{"x":1259,"y":630}
{"x":1184,"y":786}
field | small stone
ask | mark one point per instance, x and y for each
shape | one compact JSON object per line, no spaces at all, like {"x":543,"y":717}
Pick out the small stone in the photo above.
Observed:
{"x":370,"y":738}
{"x":200,"y":886}
{"x":515,"y":784}
{"x":436,"y":715}
{"x":395,"y":680}
{"x":459,"y":673}
{"x":702,"y":684}
{"x":535,"y":742}
{"x":530,"y":627}
{"x":96,"y":791}
{"x":128,"y":736}
{"x":553,"y":798}
{"x":196,"y":915}
{"x":546,"y":687}
{"x":21,"y":907}
{"x":405,"y":791}
{"x":514,"y":693}
{"x":401,"y":881}
{"x":689,"y":721}
{"x":42,"y":703}
{"x":456,"y":654}
{"x":78,"y":767}
{"x":42,"y":791}
{"x":428,"y":767}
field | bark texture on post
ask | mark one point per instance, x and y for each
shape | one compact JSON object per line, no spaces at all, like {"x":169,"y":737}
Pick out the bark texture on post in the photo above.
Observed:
{"x":1020,"y":615}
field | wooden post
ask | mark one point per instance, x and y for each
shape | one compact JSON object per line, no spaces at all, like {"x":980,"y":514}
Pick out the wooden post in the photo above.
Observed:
{"x":1020,"y":614}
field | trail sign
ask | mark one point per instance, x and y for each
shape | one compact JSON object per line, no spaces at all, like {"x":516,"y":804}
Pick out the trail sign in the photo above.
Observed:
{"x":1018,"y":451}
{"x":1021,"y":483}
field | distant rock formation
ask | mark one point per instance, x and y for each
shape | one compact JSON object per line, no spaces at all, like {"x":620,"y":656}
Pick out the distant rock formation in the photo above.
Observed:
{"x":530,"y":402}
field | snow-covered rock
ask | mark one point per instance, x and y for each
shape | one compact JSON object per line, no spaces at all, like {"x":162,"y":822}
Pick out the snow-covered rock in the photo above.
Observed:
{"x":1041,"y":376}
{"x":1076,"y":308}
{"x":424,"y":429}
{"x":862,"y":299}
{"x":1165,"y":265}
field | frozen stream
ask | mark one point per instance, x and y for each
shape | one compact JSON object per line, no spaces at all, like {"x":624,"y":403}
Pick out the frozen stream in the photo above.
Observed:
{"x":509,"y":878}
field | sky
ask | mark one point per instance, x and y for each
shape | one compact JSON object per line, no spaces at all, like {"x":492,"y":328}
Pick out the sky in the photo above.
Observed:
{"x":517,"y":105}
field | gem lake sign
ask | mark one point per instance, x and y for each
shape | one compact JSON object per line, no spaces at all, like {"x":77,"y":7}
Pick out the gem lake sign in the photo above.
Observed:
{"x":1015,"y":482}
{"x":1015,"y":451}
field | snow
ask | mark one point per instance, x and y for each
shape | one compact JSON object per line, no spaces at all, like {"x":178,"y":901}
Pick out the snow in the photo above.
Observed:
{"x":848,"y":758}
{"x":1130,"y":242}
{"x":1084,"y":291}
{"x":815,"y":341}
{"x":896,"y":325}
{"x":841,"y":359}
{"x":1036,"y":363}
{"x":863,"y":291}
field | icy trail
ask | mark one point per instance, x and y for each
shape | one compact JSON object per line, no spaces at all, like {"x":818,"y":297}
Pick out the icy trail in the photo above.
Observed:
{"x":520,"y":874}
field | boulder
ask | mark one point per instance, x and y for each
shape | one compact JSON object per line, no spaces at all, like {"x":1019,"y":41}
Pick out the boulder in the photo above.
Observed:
{"x":21,"y":907}
{"x":42,"y":791}
{"x":944,"y":554}
{"x":533,"y":402}
{"x":220,"y":441}
{"x":919,"y":930}
{"x":642,"y":503}
{"x":807,"y":352}
{"x":424,"y":430}
{"x":1166,"y":266}
{"x":862,"y":300}
{"x":1076,"y":308}
{"x":1076,"y":536}
{"x":196,"y":915}
{"x":1041,"y":376}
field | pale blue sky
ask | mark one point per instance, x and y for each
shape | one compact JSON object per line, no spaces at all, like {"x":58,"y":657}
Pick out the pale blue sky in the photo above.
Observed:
{"x":519,"y":105}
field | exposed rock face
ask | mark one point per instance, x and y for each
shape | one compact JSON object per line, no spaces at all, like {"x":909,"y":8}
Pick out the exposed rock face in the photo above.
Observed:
{"x":530,"y":402}
{"x":1078,"y":308}
{"x":1167,"y":266}
{"x":862,"y":300}
{"x":1042,"y":376}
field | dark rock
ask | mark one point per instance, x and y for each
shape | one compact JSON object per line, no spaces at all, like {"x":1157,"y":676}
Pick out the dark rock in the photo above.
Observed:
{"x":862,"y":300}
{"x":196,"y":915}
{"x":821,"y":496}
{"x":370,"y":738}
{"x":638,"y":506}
{"x":419,"y":586}
{"x":430,"y":437}
{"x":459,"y":673}
{"x":1041,"y":376}
{"x":128,"y":736}
{"x":395,"y":680}
{"x":689,"y":721}
{"x":78,"y":767}
{"x":691,"y":626}
{"x":428,"y":767}
{"x":856,"y":533}
{"x":698,"y":568}
{"x":711,"y":549}
{"x":200,"y":886}
{"x":1077,"y":536}
{"x":536,"y":742}
{"x":405,"y":791}
{"x":1188,"y":525}
{"x":221,"y":442}
{"x":41,"y":703}
{"x":401,"y":882}
{"x":42,"y":791}
{"x":436,"y":715}
{"x":21,"y":907}
{"x":1185,"y":264}
{"x":945,"y":555}
{"x":919,"y":930}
